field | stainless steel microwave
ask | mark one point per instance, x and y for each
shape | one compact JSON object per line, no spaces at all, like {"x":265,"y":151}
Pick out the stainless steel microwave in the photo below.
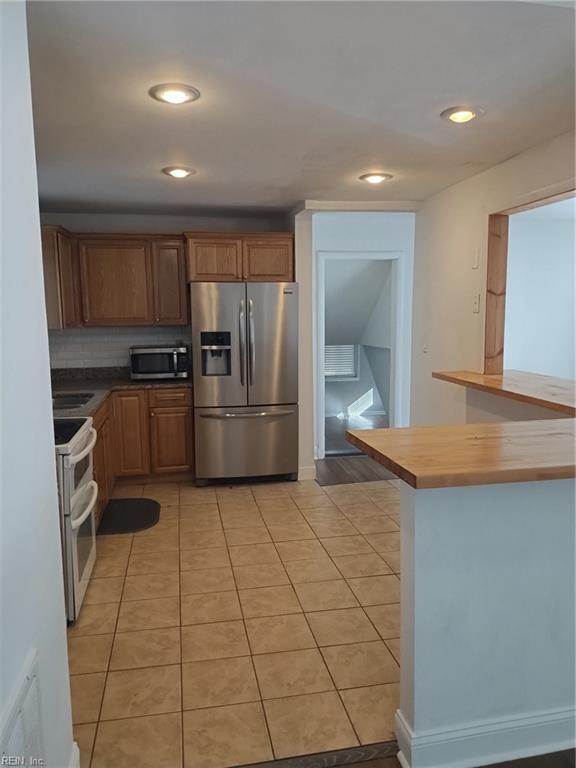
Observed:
{"x":159,"y":362}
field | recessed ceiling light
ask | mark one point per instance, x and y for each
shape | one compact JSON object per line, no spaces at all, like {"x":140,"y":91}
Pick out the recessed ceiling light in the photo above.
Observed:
{"x":174,"y":93}
{"x":461,"y":114}
{"x":375,"y":177}
{"x":178,"y":172}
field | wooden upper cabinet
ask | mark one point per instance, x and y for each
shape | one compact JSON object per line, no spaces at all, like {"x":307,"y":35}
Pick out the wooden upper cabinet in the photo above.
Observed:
{"x":169,"y":280}
{"x":131,"y":432}
{"x":268,"y":259}
{"x":52,"y":291}
{"x":213,"y":259}
{"x":256,"y":257}
{"x":61,"y":278}
{"x":116,"y":278}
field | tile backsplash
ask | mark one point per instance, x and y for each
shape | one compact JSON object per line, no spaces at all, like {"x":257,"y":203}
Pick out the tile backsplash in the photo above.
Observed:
{"x":107,"y":347}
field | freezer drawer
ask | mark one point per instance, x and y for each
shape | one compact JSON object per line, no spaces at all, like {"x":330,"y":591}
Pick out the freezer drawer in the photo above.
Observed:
{"x":246,"y":442}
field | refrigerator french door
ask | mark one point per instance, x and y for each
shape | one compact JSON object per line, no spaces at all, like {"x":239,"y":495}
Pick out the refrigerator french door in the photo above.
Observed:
{"x":245,"y":368}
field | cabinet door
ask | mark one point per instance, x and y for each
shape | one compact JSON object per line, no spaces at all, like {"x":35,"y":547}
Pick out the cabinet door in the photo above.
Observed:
{"x":171,"y":439}
{"x":70,"y":294}
{"x":61,"y":279}
{"x":268,"y":260}
{"x":169,"y":277}
{"x":51,"y":277}
{"x":108,"y":441}
{"x":99,"y":459}
{"x":116,"y":282}
{"x":131,"y":432}
{"x":214,"y":259}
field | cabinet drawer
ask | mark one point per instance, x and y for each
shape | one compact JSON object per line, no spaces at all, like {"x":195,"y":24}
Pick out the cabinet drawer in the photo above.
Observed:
{"x":159,"y":398}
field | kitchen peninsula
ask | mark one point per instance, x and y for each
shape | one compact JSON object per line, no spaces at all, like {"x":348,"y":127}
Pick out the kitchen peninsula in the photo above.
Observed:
{"x":487,"y":595}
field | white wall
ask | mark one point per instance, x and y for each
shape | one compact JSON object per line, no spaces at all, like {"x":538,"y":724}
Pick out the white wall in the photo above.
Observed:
{"x":167,"y":224}
{"x":451,"y":229}
{"x":539,"y":327}
{"x":380,"y":330}
{"x":31,"y":586}
{"x":352,"y":287}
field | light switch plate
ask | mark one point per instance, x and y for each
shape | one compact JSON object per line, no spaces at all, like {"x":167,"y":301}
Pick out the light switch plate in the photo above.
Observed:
{"x":476,"y":258}
{"x":476,"y":304}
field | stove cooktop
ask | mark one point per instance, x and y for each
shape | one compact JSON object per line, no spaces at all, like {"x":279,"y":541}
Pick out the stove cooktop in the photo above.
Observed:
{"x":66,"y":428}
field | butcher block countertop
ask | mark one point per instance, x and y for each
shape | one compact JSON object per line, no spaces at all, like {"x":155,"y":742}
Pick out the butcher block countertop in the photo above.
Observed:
{"x":546,"y":391}
{"x":473,"y":454}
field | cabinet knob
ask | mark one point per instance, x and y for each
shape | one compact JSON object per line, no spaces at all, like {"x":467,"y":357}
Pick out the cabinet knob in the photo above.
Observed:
{"x":152,"y":414}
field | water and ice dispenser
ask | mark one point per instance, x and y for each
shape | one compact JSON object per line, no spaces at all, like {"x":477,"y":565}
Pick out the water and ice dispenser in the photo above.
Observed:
{"x":216,"y":351}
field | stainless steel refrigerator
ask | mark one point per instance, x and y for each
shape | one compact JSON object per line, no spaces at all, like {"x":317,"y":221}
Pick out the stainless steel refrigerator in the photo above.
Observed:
{"x":245,"y":368}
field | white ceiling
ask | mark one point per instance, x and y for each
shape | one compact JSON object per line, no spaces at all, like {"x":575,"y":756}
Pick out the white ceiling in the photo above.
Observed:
{"x":298,"y":98}
{"x":351,"y":289}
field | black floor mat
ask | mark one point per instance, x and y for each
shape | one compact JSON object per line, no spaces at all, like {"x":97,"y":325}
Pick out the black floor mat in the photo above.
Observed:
{"x":128,"y":515}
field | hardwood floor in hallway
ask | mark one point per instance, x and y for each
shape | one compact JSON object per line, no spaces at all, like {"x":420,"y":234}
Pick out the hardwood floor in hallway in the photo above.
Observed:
{"x":350,"y":469}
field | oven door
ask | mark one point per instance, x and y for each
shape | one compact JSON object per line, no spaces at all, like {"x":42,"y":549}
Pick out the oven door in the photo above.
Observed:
{"x":79,"y":465}
{"x":80,"y":545}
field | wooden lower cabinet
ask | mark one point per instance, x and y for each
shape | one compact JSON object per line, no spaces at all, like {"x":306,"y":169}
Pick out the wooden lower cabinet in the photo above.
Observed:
{"x":99,"y":459}
{"x":142,"y":432}
{"x":103,"y":458}
{"x":131,"y":427}
{"x":171,"y":439}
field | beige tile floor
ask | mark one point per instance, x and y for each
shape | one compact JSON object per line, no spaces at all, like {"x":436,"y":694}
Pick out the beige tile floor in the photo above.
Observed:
{"x":251,"y":623}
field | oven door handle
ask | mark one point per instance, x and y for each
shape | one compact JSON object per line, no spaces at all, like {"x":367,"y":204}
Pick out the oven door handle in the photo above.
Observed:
{"x":77,"y":521}
{"x":76,"y":457}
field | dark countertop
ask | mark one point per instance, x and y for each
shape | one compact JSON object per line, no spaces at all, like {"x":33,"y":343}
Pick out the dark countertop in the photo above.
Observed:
{"x":101,"y":383}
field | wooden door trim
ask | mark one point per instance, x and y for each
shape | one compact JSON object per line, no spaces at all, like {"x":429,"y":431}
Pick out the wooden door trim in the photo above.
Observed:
{"x":495,"y":293}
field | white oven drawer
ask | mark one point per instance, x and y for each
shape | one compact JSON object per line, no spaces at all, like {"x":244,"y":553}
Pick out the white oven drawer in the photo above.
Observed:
{"x":80,"y":545}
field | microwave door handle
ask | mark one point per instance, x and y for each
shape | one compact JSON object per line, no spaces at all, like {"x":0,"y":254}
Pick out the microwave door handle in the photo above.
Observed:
{"x":76,"y":457}
{"x":251,"y":341}
{"x":242,"y":328}
{"x":175,"y":362}
{"x":77,"y":521}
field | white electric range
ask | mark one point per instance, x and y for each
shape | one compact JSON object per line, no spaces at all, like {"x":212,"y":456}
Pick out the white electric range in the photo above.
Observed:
{"x":75,"y":438}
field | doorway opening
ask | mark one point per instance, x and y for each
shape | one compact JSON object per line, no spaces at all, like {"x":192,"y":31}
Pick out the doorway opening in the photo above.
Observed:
{"x":357,"y":347}
{"x":362,"y":353}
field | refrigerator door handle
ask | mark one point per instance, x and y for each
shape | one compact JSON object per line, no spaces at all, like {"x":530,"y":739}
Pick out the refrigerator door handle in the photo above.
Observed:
{"x":259,"y":415}
{"x":251,"y":341}
{"x":242,"y":323}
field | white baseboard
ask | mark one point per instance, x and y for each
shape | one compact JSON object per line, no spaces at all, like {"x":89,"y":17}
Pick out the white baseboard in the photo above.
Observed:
{"x":307,"y":473}
{"x":486,"y":742}
{"x":74,"y":761}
